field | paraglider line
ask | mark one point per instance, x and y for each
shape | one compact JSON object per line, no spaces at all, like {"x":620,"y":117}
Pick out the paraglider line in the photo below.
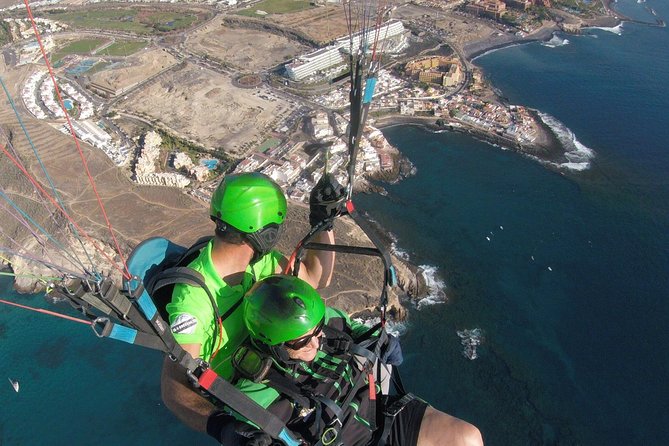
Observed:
{"x":41,"y":189}
{"x":47,"y":312}
{"x":76,"y":140}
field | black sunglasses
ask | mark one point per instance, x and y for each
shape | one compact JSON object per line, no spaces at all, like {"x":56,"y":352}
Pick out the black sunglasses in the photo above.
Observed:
{"x":304,"y":340}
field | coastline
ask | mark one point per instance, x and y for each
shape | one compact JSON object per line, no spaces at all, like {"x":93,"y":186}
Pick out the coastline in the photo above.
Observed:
{"x":477,"y":48}
{"x":548,"y":149}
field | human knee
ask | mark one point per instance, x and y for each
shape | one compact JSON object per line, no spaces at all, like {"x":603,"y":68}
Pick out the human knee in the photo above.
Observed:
{"x":471,"y":435}
{"x":439,"y":428}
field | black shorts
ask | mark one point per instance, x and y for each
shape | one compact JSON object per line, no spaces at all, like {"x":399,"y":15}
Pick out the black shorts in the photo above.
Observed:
{"x":406,"y":424}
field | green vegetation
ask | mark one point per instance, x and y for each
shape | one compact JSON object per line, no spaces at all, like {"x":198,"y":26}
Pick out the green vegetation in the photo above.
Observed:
{"x":137,"y":21}
{"x":276,"y":7}
{"x":83,"y":46}
{"x":173,"y":143}
{"x":123,"y":48}
{"x":269,"y":143}
{"x":539,"y":12}
{"x":5,"y":36}
{"x":100,"y":66}
{"x":511,"y":19}
{"x":578,"y":6}
{"x":113,"y":19}
{"x":169,"y":21}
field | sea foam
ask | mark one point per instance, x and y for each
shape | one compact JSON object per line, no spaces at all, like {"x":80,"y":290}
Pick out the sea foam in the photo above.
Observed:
{"x":578,"y":154}
{"x":470,"y":340}
{"x":392,"y":327}
{"x":555,"y":42}
{"x":435,"y":286}
{"x":618,"y":29}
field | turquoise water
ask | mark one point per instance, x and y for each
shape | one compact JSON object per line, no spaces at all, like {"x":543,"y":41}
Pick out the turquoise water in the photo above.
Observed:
{"x":82,"y":67}
{"x":577,"y":354}
{"x":210,"y":163}
{"x":574,"y":354}
{"x":68,"y":104}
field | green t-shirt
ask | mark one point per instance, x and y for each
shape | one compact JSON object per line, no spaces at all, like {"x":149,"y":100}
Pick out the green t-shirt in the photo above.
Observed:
{"x":192,"y":317}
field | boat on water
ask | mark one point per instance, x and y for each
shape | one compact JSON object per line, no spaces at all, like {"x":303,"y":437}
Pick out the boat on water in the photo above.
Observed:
{"x":14,"y":383}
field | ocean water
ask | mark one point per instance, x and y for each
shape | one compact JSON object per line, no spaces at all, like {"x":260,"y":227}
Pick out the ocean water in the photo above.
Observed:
{"x":565,"y":272}
{"x":76,"y":388}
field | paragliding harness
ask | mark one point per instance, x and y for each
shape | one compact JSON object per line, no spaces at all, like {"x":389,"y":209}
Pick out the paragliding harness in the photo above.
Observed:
{"x":332,"y":395}
{"x":132,"y":316}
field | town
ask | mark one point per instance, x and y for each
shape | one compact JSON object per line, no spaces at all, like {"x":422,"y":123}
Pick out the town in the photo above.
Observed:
{"x":440,"y":86}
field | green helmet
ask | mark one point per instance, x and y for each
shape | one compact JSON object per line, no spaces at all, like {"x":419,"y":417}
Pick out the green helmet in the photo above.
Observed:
{"x":282,"y":308}
{"x":248,"y":202}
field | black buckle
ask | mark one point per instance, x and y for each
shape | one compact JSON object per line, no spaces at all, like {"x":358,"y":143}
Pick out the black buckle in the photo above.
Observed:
{"x":396,"y":407}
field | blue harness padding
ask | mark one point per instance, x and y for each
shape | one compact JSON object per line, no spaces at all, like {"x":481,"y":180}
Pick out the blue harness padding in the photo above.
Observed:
{"x":146,"y":260}
{"x":369,"y":90}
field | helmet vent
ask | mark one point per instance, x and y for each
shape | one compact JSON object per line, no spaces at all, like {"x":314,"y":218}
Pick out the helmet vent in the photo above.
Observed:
{"x":299,"y":302}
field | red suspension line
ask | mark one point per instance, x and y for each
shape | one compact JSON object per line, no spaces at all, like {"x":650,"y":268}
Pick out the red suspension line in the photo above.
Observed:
{"x":74,"y":136}
{"x":50,"y":313}
{"x":64,"y":212}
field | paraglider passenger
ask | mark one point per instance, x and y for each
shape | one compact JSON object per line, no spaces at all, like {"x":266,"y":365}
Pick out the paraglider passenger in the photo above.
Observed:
{"x":310,"y":365}
{"x":249,"y":211}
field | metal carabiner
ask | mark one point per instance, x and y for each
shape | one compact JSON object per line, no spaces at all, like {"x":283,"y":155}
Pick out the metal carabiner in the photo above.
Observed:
{"x":95,"y":324}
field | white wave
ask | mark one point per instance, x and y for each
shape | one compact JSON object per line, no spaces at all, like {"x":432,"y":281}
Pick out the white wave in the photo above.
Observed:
{"x":618,"y":29}
{"x":470,"y":339}
{"x":399,"y":252}
{"x":492,"y":50}
{"x":392,"y":327}
{"x":435,"y":286}
{"x":555,"y":42}
{"x":578,"y":154}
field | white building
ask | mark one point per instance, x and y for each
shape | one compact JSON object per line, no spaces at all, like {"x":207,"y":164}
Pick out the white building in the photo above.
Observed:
{"x":163,"y":179}
{"x":334,"y":55}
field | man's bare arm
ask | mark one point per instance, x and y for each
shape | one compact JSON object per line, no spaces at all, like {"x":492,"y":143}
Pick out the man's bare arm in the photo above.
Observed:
{"x":180,"y":397}
{"x":318,"y":266}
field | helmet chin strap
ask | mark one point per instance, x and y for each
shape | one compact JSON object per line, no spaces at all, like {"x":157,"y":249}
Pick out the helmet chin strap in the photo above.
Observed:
{"x":278,"y":352}
{"x":264,"y":240}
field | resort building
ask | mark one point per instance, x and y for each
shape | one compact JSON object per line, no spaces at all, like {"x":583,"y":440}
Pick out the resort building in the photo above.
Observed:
{"x":445,"y":71}
{"x":332,"y":59}
{"x":487,"y":8}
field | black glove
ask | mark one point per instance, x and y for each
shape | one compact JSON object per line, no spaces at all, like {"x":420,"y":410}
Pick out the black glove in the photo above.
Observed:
{"x":229,"y":431}
{"x":326,"y":200}
{"x":392,"y":354}
{"x":255,"y":437}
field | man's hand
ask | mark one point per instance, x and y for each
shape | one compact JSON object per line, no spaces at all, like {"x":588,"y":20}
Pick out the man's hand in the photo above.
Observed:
{"x":255,"y":437}
{"x":231,"y":432}
{"x":326,"y":200}
{"x":260,"y":439}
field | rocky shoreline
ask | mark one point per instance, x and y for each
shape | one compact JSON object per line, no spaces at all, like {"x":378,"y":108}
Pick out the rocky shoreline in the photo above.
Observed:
{"x":547,"y":147}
